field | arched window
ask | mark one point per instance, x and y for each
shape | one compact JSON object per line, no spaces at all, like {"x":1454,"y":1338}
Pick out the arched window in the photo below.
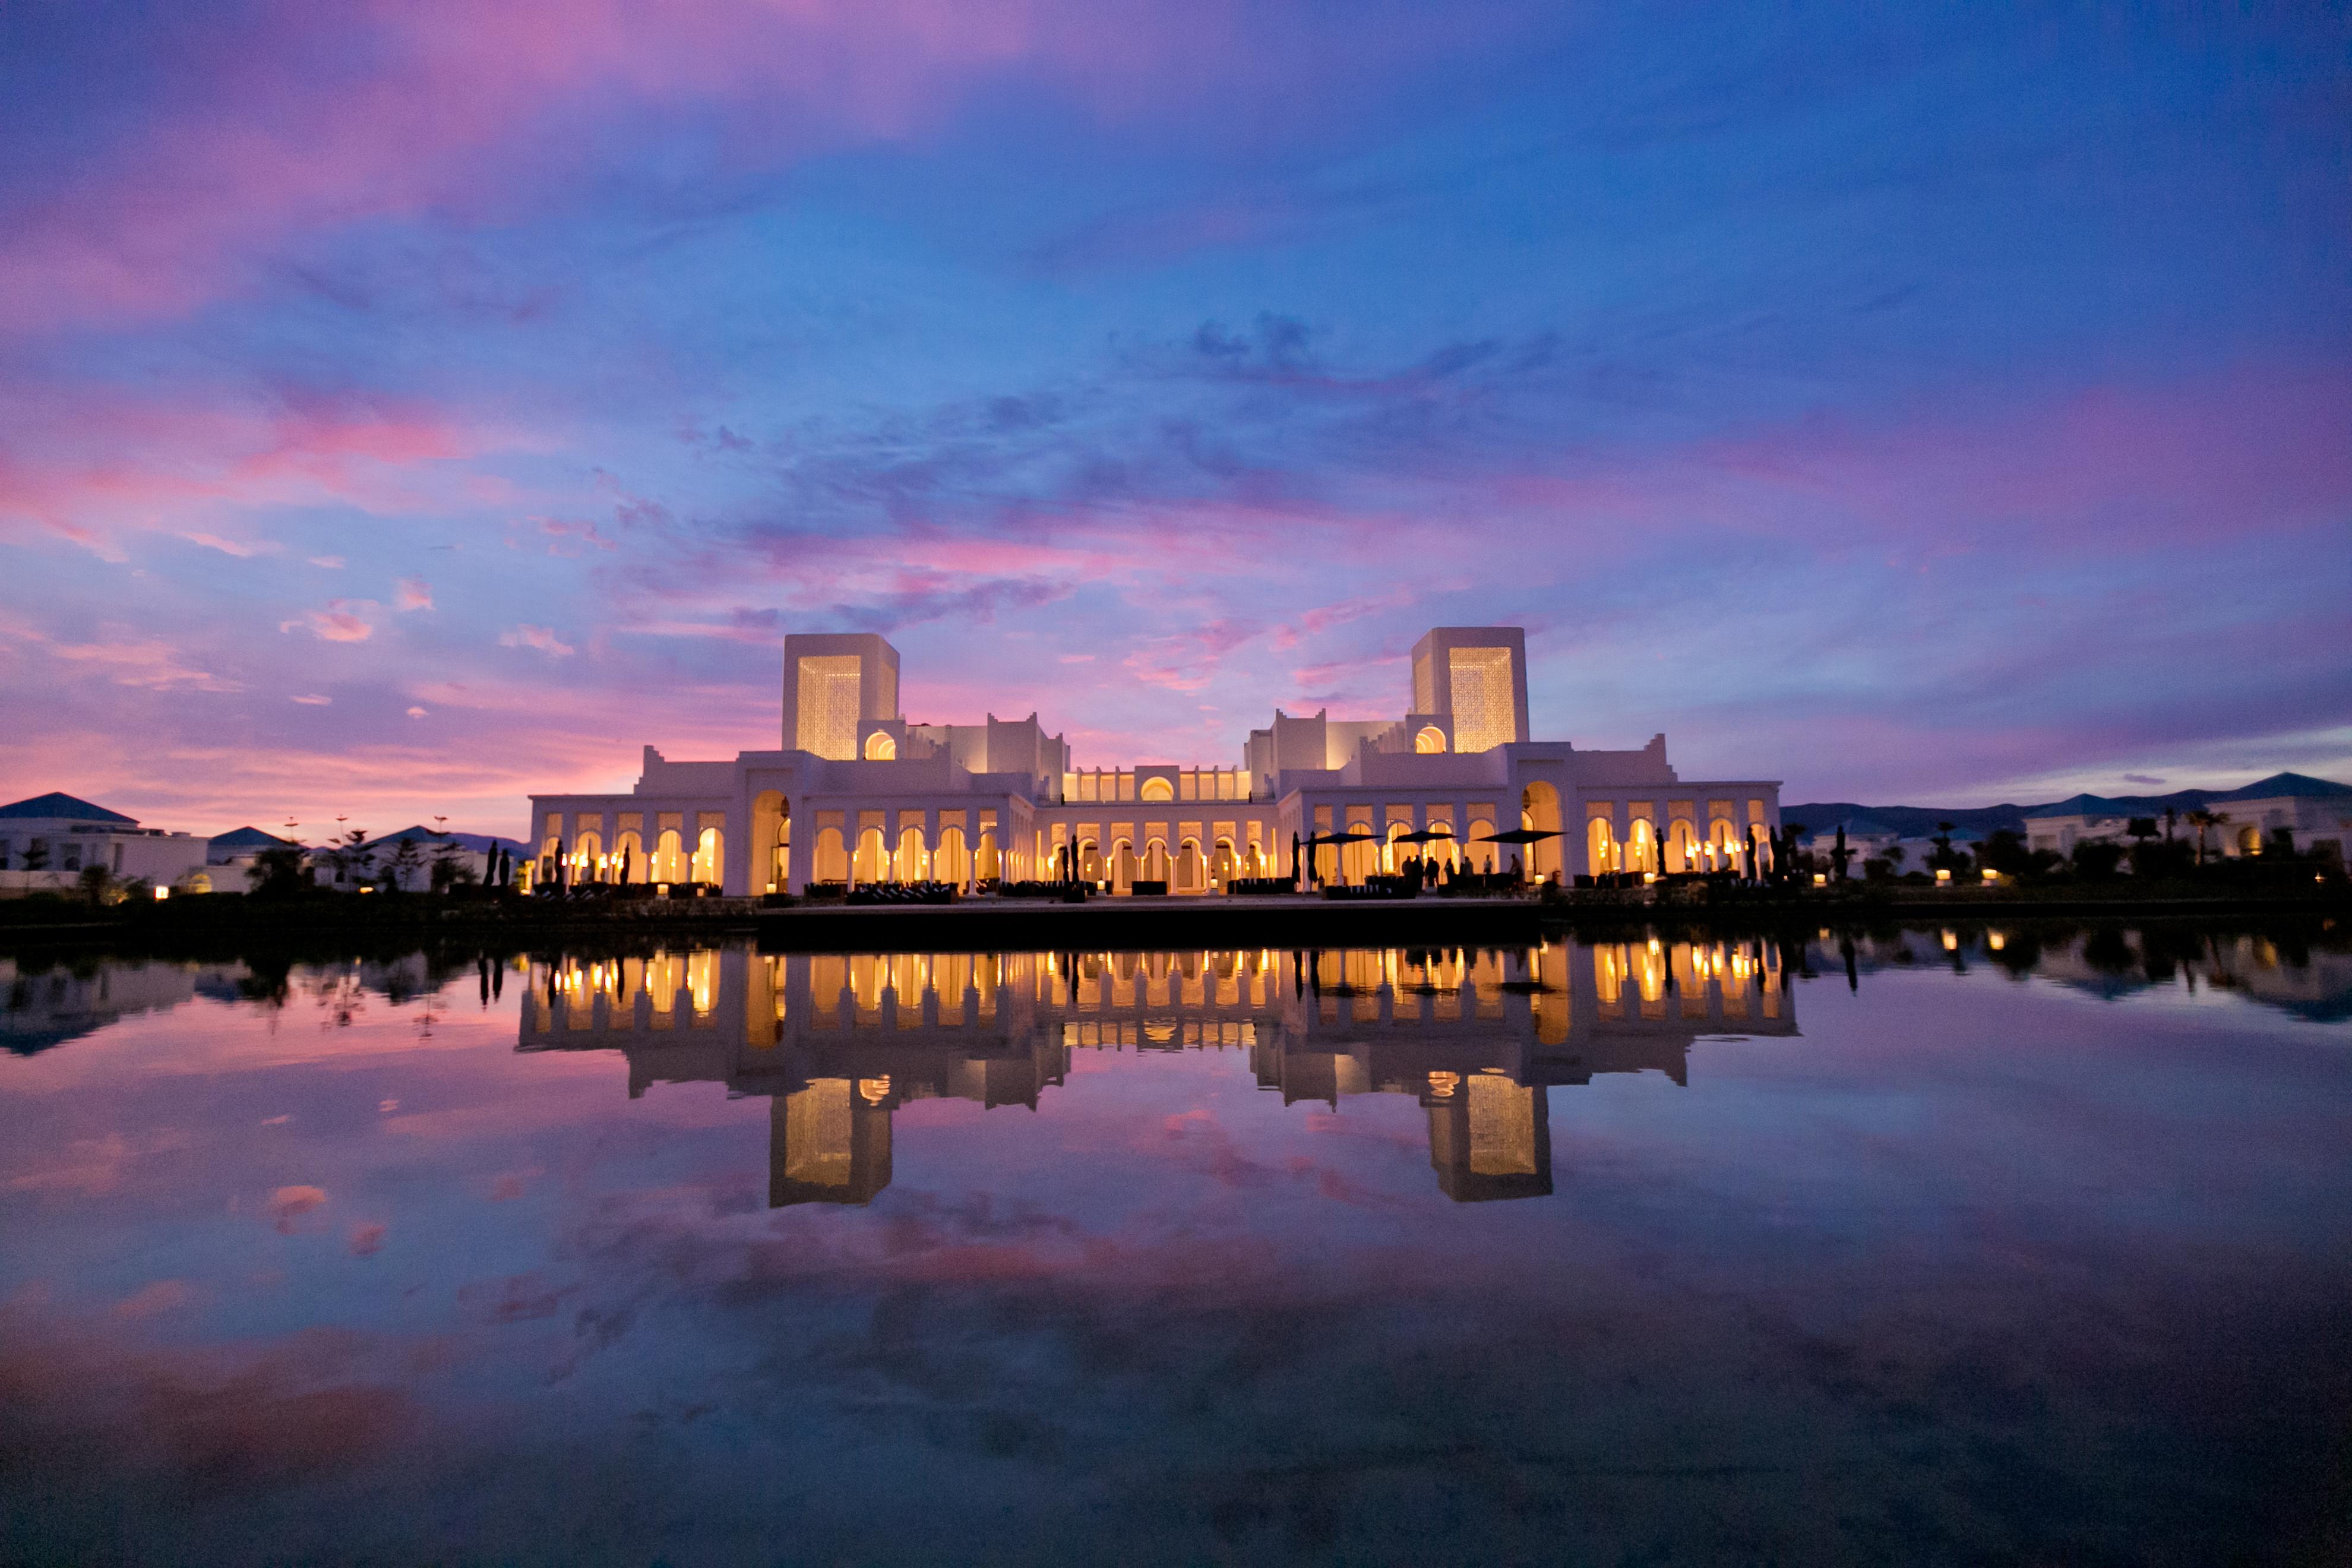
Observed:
{"x":708,"y":853}
{"x":1431,"y":739}
{"x":880,"y":747}
{"x":1156,"y":789}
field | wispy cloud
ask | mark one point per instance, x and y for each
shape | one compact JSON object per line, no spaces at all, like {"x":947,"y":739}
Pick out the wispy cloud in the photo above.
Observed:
{"x":543,"y":639}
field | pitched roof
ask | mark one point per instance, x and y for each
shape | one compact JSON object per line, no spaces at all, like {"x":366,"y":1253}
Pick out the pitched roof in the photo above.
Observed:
{"x":247,"y":838}
{"x":477,"y":843}
{"x":57,"y":803}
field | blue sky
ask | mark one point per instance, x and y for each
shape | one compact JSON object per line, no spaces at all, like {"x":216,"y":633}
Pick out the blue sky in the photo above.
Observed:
{"x":405,"y":408}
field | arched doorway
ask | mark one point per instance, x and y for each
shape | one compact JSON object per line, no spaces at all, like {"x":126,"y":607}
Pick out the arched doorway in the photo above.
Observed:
{"x":1642,"y":852}
{"x":832,"y":861}
{"x":710,"y":852}
{"x":629,"y":859}
{"x":1192,"y":868}
{"x":870,"y":864}
{"x":1222,"y":867}
{"x":1539,"y":813}
{"x":913,"y":863}
{"x":1601,"y":847}
{"x":772,"y":826}
{"x":952,"y":863}
{"x":987,"y":864}
{"x":1723,"y":838}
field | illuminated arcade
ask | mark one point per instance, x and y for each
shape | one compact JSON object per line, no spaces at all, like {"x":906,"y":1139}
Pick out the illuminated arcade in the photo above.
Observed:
{"x":855,"y":793}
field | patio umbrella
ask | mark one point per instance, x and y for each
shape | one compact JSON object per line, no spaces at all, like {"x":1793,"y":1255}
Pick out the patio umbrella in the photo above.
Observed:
{"x":1519,"y":835}
{"x":1426,"y":836}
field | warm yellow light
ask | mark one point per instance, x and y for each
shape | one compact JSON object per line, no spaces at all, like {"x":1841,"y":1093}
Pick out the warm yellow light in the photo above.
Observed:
{"x":163,"y":893}
{"x":874,"y":1091}
{"x":1821,"y":878}
{"x":1943,"y":874}
{"x":1951,"y":941}
{"x":1441,"y":1085}
{"x":1995,"y":941}
{"x":1649,"y":876}
{"x":1991,"y":875}
{"x":662,"y":889}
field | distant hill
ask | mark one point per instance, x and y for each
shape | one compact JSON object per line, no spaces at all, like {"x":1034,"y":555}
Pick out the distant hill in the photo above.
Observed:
{"x":1919,"y":821}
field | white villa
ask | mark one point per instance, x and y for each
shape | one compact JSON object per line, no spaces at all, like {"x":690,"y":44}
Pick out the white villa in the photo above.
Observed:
{"x":2314,"y":813}
{"x":855,"y":793}
{"x":46,"y":842}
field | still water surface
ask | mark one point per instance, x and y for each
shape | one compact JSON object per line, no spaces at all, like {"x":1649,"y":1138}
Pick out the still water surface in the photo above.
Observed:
{"x":1913,"y":1247}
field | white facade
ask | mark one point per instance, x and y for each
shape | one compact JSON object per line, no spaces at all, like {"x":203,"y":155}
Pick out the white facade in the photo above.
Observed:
{"x":857,"y":794}
{"x":47,"y":842}
{"x":2060,"y":834}
{"x":2320,"y":822}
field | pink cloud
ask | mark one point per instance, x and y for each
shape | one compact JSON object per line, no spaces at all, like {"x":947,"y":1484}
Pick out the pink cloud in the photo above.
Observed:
{"x":287,"y":1205}
{"x":87,"y":465}
{"x":543,"y":639}
{"x":163,"y":1296}
{"x":337,"y":623}
{"x":413,"y":593}
{"x":155,"y":224}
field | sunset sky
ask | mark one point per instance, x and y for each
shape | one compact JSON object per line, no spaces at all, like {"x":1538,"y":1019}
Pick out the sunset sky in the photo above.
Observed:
{"x":403,"y":409}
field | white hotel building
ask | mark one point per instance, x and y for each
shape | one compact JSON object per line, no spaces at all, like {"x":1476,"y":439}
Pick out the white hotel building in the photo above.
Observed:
{"x":855,"y":793}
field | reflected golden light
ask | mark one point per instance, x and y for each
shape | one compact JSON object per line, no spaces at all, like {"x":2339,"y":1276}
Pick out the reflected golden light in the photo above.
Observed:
{"x":1443,"y":1084}
{"x":1995,"y":941}
{"x":1951,"y":941}
{"x":874,"y":1091}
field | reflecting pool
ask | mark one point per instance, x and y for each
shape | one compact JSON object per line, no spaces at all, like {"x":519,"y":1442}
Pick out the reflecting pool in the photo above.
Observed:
{"x":1933,"y":1245}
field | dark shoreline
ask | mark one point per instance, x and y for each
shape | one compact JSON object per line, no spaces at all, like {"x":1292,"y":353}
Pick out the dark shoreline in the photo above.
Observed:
{"x":194,"y":927}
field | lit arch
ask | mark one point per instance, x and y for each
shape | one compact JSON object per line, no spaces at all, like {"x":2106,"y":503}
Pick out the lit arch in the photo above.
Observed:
{"x":881,"y":748}
{"x":1157,"y":788}
{"x":1430,"y":740}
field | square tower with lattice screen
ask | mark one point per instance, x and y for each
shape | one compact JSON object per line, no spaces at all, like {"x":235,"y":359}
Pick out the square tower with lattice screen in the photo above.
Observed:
{"x":1475,"y":678}
{"x":835,"y":683}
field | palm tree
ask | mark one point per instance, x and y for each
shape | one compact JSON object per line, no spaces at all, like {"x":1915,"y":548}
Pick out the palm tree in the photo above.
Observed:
{"x":2201,"y":819}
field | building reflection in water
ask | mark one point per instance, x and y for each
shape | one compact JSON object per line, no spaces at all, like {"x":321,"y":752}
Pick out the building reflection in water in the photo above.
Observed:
{"x":840,"y":1041}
